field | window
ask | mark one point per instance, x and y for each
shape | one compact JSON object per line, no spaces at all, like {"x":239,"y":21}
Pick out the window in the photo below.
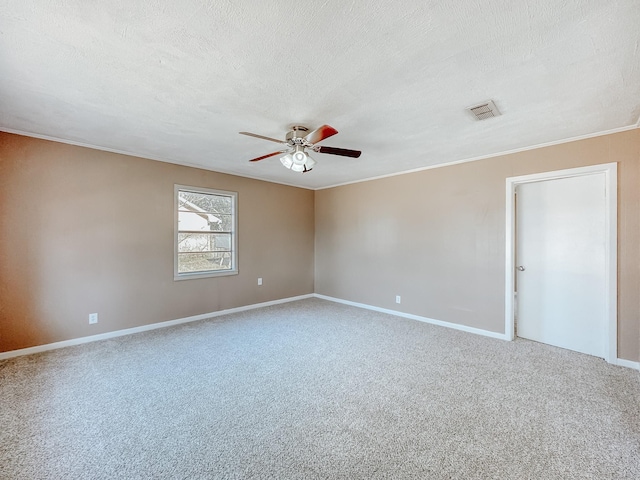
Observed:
{"x":205,"y":233}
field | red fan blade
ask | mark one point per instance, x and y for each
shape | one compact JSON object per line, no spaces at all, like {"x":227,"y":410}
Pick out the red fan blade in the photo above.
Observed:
{"x":266,"y":156}
{"x":262,"y":137}
{"x":320,"y":134}
{"x":338,"y":151}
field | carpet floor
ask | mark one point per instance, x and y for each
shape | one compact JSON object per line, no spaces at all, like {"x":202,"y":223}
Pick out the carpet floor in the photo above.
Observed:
{"x":316,"y":390}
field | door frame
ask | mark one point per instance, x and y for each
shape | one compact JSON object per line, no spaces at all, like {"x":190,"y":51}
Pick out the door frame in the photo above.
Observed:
{"x":610,"y":171}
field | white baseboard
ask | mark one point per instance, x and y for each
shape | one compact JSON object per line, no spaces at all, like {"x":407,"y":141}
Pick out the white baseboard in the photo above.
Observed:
{"x":440,"y":323}
{"x":143,"y":328}
{"x":627,"y":363}
{"x":501,"y":336}
{"x":169,"y":323}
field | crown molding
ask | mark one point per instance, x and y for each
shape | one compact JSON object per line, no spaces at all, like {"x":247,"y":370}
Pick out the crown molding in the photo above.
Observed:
{"x":368,"y":179}
{"x":137,"y":155}
{"x":492,"y":155}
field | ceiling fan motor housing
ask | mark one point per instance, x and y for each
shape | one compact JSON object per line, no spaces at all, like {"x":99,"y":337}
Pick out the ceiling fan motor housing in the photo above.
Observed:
{"x":296,"y":135}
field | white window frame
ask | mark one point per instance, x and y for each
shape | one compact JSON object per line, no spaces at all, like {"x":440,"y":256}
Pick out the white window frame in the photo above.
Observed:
{"x":234,"y":234}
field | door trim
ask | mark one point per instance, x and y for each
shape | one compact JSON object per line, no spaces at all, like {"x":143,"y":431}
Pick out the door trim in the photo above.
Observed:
{"x":610,"y":171}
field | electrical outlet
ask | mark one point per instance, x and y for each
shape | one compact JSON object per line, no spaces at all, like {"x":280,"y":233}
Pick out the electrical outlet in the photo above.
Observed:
{"x":93,"y":318}
{"x":397,"y":298}
{"x":259,"y":280}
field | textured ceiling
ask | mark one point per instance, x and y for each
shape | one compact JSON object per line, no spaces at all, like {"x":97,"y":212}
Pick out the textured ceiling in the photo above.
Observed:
{"x":177,"y":80}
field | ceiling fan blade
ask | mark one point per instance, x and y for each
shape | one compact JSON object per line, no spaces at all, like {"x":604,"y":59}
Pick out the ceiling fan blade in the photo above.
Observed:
{"x":266,"y":156}
{"x":262,"y":137}
{"x":338,"y":151}
{"x":319,"y":134}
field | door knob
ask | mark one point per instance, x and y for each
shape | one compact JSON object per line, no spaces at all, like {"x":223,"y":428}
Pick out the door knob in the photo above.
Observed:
{"x":521,"y":268}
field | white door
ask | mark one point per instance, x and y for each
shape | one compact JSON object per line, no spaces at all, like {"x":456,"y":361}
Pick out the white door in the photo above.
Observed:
{"x":561,"y":262}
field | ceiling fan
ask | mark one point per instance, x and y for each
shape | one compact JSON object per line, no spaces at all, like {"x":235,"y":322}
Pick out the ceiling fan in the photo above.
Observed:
{"x":297,"y":140}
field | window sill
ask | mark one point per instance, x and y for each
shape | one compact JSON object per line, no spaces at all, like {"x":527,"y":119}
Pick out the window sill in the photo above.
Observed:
{"x":195,"y":275}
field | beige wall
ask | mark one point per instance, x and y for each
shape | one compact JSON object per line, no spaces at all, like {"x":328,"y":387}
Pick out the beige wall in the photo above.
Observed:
{"x":86,"y":231}
{"x":437,"y":237}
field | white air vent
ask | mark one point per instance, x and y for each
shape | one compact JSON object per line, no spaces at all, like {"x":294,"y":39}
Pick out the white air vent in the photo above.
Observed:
{"x":484,"y":110}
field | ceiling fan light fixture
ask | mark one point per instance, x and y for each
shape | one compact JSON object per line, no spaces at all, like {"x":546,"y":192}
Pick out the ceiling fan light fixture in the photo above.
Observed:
{"x":298,"y":160}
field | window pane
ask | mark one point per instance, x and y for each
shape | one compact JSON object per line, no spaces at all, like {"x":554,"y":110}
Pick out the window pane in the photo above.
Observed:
{"x":204,"y":242}
{"x":203,"y":262}
{"x":200,"y":222}
{"x":202,"y":202}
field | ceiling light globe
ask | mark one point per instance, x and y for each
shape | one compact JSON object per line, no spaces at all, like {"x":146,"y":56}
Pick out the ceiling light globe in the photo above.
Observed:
{"x":299,"y":158}
{"x":287,"y":160}
{"x":310,"y":162}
